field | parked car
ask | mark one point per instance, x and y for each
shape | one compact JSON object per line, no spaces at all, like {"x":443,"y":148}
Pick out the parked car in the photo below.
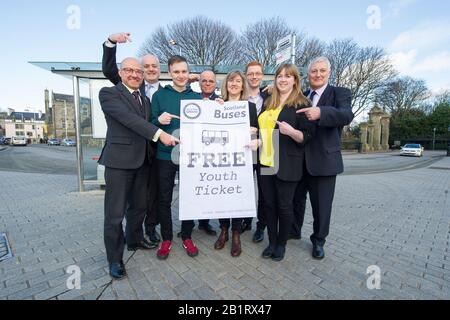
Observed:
{"x":53,"y":142}
{"x":412,"y":149}
{"x":6,"y":141}
{"x":19,"y":141}
{"x":68,"y":143}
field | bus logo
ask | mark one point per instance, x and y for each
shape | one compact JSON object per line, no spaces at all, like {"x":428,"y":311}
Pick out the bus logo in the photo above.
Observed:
{"x":219,"y":137}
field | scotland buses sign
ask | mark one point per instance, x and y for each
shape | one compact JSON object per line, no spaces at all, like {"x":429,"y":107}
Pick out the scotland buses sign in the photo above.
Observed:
{"x":216,"y":170}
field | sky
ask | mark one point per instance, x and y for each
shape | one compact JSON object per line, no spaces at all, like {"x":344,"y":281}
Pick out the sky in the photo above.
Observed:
{"x":415,"y":33}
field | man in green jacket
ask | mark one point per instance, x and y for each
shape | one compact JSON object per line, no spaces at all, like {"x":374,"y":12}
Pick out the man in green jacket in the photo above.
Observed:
{"x":166,"y":115}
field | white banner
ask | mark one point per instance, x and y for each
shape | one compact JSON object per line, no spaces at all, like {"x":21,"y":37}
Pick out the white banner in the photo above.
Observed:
{"x":216,"y":170}
{"x":283,"y":52}
{"x":99,"y":126}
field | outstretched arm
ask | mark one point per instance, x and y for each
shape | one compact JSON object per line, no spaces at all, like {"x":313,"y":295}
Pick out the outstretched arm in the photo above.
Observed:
{"x":109,"y":62}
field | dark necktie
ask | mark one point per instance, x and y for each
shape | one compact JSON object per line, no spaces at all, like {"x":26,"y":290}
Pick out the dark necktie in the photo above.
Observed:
{"x":138,"y":100}
{"x":311,"y":97}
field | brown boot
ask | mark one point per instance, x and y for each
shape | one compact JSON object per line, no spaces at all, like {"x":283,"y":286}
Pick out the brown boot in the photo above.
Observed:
{"x":223,"y":238}
{"x":236,"y":244}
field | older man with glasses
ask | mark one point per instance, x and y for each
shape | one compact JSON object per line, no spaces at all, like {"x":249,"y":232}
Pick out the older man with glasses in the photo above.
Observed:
{"x":127,"y":156}
{"x":150,"y":85}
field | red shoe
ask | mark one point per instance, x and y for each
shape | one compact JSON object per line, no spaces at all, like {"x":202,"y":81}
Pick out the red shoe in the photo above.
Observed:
{"x":164,"y":250}
{"x":190,"y":248}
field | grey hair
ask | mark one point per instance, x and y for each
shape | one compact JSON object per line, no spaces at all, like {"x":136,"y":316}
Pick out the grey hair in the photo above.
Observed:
{"x":150,"y":55}
{"x":319,"y":59}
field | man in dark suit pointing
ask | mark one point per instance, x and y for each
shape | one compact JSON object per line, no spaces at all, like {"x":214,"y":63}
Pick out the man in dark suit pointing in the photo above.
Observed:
{"x":127,"y":157}
{"x":331,"y":109}
{"x":151,"y":84}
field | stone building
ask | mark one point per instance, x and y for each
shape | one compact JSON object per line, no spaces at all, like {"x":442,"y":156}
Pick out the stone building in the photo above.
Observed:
{"x":60,"y":114}
{"x":375,"y":132}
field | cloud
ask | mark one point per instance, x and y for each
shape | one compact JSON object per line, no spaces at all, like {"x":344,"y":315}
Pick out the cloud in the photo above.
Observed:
{"x":427,"y":35}
{"x":403,"y":61}
{"x":438,"y":62}
{"x":395,"y":7}
{"x":409,"y":63}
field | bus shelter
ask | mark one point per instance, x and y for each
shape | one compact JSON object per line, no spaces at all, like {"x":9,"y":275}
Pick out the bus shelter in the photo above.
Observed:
{"x":87,"y":79}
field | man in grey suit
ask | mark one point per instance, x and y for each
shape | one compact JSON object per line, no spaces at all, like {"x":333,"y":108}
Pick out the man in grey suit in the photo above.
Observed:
{"x":127,"y":156}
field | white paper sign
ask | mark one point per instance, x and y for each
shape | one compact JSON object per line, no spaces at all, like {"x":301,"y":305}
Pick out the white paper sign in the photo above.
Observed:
{"x":99,"y":126}
{"x":216,"y":170}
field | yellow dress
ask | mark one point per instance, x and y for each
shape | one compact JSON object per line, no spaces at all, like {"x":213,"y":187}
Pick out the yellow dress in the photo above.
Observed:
{"x":267,"y":122}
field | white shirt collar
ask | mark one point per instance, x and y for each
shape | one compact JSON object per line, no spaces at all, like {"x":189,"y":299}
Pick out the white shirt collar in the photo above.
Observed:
{"x":153,"y":85}
{"x":129,"y":89}
{"x":319,"y":91}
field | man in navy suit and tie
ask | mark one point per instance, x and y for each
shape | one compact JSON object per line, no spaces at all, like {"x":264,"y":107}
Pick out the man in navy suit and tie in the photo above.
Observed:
{"x":151,"y":84}
{"x":332,"y":110}
{"x":127,"y":156}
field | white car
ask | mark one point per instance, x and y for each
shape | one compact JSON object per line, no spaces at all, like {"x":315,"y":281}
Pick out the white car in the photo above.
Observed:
{"x":412,"y":149}
{"x":19,"y":141}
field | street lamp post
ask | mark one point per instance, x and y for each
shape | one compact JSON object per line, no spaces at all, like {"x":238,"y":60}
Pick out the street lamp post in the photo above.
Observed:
{"x":65,"y":116}
{"x":174,"y":43}
{"x":434,"y":138}
{"x":448,"y":141}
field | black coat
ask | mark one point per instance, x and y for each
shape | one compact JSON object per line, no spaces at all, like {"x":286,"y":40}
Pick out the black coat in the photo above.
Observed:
{"x":323,"y":153}
{"x":290,"y":153}
{"x":129,"y":131}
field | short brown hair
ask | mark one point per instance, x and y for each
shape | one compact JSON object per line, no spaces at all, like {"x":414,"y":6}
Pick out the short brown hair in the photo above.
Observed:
{"x":253,"y":64}
{"x":175,"y":59}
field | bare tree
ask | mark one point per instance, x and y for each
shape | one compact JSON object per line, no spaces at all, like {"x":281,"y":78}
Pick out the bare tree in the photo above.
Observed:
{"x":307,"y":50}
{"x":201,"y":40}
{"x":259,"y":40}
{"x":363,"y":70}
{"x":403,"y":94}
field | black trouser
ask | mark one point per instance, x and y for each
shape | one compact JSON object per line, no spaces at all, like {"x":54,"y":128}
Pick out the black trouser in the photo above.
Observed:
{"x":125,"y":196}
{"x":299,"y":208}
{"x":321,"y":195}
{"x":152,"y":216}
{"x":167,"y":171}
{"x":278,"y":203}
{"x":236,"y":224}
{"x":262,"y":220}
{"x":203,"y":223}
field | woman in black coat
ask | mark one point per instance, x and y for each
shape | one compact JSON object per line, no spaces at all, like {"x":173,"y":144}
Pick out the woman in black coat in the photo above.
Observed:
{"x":283,"y":134}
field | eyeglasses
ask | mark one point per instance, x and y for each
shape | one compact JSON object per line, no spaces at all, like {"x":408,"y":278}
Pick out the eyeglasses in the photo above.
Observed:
{"x":254,"y":74}
{"x":208,"y":81}
{"x":131,"y":71}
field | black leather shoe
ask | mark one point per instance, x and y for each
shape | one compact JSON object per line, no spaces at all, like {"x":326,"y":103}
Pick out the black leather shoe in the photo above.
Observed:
{"x":278,"y":254}
{"x":258,"y":236}
{"x":153,"y":236}
{"x":143,"y":245}
{"x":318,"y":252}
{"x":117,"y":270}
{"x":208,"y":229}
{"x":268,"y":252}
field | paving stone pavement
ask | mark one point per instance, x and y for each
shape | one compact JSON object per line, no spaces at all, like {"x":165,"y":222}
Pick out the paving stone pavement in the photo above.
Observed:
{"x":398,"y":221}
